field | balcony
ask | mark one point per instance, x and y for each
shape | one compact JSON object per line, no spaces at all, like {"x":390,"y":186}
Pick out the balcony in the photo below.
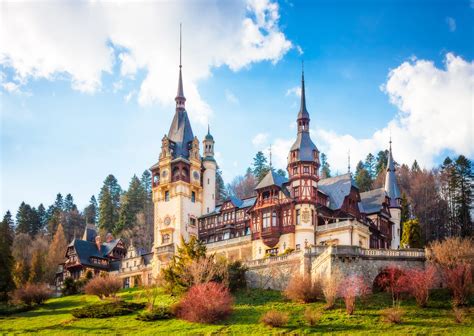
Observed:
{"x":341,"y":225}
{"x":165,"y":249}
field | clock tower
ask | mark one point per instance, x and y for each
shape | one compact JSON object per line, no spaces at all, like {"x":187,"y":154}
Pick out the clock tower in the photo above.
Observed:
{"x":177,"y":185}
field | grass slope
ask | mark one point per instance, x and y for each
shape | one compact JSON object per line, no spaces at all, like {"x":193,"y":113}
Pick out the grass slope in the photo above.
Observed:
{"x":54,"y":318}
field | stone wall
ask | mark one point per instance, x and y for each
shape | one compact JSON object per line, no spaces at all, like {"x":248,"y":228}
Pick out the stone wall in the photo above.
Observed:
{"x":322,"y":261}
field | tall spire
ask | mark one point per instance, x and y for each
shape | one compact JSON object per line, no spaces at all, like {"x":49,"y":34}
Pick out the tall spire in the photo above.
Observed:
{"x":271,"y":168}
{"x":349,"y":161}
{"x":180,"y":99}
{"x":303,"y":113}
{"x":391,"y":185}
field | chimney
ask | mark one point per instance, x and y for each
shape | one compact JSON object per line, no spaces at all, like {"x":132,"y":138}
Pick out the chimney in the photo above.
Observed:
{"x":98,"y":242}
{"x":109,"y":237}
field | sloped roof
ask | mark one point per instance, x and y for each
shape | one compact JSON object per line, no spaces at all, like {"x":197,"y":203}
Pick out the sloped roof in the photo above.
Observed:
{"x":337,"y":188}
{"x":271,"y":179}
{"x":391,"y":185}
{"x":86,"y":249}
{"x":89,"y":233}
{"x":181,"y":133}
{"x":372,"y":200}
{"x":305,"y":145}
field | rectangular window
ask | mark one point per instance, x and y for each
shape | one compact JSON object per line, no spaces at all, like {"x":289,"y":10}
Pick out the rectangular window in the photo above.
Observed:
{"x":306,"y":169}
{"x":296,"y":191}
{"x":295,"y":170}
{"x":167,"y":196}
{"x":193,"y":197}
{"x":272,"y":252}
{"x":192,"y":221}
{"x":274,"y":218}
{"x":266,"y":219}
{"x":297,"y":217}
{"x":208,"y":181}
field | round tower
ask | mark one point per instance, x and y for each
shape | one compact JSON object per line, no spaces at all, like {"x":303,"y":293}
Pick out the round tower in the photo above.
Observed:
{"x":209,"y":174}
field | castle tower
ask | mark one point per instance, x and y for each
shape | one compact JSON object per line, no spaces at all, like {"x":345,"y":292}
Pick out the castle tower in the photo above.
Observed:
{"x":392,"y":190}
{"x":303,"y":171}
{"x":176,"y":184}
{"x":209,"y":174}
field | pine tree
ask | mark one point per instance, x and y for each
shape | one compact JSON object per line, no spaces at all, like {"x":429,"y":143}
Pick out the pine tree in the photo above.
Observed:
{"x":56,"y":253}
{"x":43,"y":217}
{"x":405,"y":211}
{"x":69,"y":203}
{"x":221,"y":193}
{"x":381,"y":162}
{"x":260,"y":167}
{"x":146,"y":183}
{"x":109,"y":195}
{"x":6,"y":257}
{"x":59,"y":202}
{"x":27,"y":220}
{"x":325,"y":170}
{"x":411,"y":236}
{"x":281,"y":172}
{"x":362,"y":178}
{"x":415,"y":167}
{"x":107,"y":211}
{"x":464,"y":199}
{"x":91,"y":211}
{"x":370,"y":165}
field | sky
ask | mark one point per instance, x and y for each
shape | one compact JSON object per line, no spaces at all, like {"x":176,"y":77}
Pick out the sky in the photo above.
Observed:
{"x":87,"y":88}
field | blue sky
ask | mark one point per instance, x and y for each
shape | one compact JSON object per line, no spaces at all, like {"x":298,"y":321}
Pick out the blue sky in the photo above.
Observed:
{"x":87,"y":89}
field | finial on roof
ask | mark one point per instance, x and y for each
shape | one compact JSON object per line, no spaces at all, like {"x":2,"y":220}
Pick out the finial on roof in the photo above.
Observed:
{"x":349,"y":161}
{"x":391,"y":185}
{"x":271,"y":157}
{"x":180,"y":29}
{"x":180,"y":100}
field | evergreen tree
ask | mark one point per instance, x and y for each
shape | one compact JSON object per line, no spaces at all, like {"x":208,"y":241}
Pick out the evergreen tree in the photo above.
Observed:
{"x":54,"y":220}
{"x":133,"y":202}
{"x":370,"y":165}
{"x":107,"y":211}
{"x":6,"y":257}
{"x":260,"y":167}
{"x":69,"y":203}
{"x":464,"y":199}
{"x":56,"y":253}
{"x":146,"y":183}
{"x":281,"y":172}
{"x":362,"y":177}
{"x":381,"y":162}
{"x":109,"y":203}
{"x":58,"y":203}
{"x":415,"y":167}
{"x":221,"y":193}
{"x":91,"y":211}
{"x":405,"y":209}
{"x":411,"y":236}
{"x":43,"y":217}
{"x":325,"y":170}
{"x":27,"y":220}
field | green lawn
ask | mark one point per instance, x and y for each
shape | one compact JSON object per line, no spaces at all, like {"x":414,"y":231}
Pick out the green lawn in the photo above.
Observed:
{"x":54,"y":318}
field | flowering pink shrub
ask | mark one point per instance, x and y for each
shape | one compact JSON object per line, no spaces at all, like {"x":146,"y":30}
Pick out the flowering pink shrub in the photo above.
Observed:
{"x":207,"y":303}
{"x":351,"y":288}
{"x":418,"y":282}
{"x":459,"y":280}
{"x":392,"y":280}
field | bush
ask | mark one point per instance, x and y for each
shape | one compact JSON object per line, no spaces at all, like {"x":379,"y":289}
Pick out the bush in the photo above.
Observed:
{"x":393,"y":315}
{"x":392,"y":280}
{"x":351,"y":288}
{"x":459,"y":315}
{"x":274,"y":318}
{"x":32,"y":294}
{"x":418,"y":282}
{"x":330,"y":285}
{"x":70,"y":287}
{"x":103,"y":286}
{"x":206,"y":303}
{"x":300,"y":289}
{"x":451,"y":252}
{"x":312,"y":316}
{"x":459,"y":281}
{"x":158,"y":313}
{"x":103,"y":310}
{"x":236,"y":273}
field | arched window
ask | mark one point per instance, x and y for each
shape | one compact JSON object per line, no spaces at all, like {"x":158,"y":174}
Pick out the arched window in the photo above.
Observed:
{"x":165,"y":239}
{"x":175,"y":173}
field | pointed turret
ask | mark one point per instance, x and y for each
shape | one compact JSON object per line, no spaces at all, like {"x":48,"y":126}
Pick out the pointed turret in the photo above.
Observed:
{"x":208,"y":146}
{"x":391,"y":185}
{"x":303,"y":149}
{"x":180,"y":132}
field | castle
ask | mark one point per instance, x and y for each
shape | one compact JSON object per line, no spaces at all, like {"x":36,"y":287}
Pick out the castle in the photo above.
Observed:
{"x":286,"y":215}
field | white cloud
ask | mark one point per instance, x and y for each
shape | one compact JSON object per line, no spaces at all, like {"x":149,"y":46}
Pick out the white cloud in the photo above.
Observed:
{"x":79,"y":41}
{"x":129,"y":96}
{"x":230,"y":97}
{"x":451,"y":24}
{"x":436,"y":114}
{"x":260,"y":140}
{"x":294,"y":91}
{"x":299,"y":50}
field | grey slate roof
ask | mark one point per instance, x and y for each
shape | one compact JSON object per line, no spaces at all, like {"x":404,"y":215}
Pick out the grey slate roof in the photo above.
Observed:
{"x":391,"y":185}
{"x":89,"y":233}
{"x":337,"y":188}
{"x":305,"y":146}
{"x":181,"y":133}
{"x":303,"y":113}
{"x":271,"y":179}
{"x":372,"y":200}
{"x":86,"y":249}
